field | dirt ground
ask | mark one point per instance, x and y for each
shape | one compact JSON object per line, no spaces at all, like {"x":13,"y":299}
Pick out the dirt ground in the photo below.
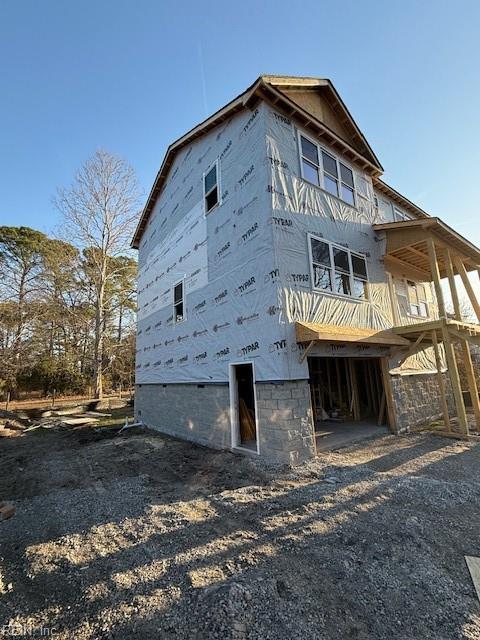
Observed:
{"x":137,"y":535}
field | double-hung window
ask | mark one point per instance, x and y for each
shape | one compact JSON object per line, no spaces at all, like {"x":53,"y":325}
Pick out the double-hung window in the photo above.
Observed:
{"x":211,"y":189}
{"x":412,"y":298}
{"x":178,"y":302}
{"x":325,"y":170}
{"x":417,"y":299}
{"x":337,"y":269}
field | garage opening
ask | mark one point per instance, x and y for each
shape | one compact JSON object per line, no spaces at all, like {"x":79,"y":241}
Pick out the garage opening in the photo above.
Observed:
{"x":348,"y":398}
{"x":244,"y":419}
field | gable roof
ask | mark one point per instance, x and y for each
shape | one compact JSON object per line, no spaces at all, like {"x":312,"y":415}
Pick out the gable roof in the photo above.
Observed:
{"x":280,"y":92}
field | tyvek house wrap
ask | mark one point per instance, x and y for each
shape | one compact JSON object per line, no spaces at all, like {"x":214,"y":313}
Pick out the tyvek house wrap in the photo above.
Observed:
{"x":225,"y":258}
{"x":245,"y":264}
{"x":300,"y":209}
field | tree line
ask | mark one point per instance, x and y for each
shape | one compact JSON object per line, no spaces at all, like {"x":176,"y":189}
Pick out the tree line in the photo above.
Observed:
{"x":67,"y":302}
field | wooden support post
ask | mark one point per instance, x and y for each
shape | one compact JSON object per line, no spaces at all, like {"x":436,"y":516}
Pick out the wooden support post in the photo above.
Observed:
{"x":455,"y":380}
{"x":467,"y":357}
{"x":468,"y":285}
{"x":355,"y":400}
{"x":447,"y":343}
{"x":339,"y":383}
{"x":381,"y":410}
{"x":387,"y":387}
{"x":436,"y":277}
{"x":441,"y":381}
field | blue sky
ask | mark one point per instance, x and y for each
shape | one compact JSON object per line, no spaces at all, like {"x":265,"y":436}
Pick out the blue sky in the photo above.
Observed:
{"x":132,"y":76}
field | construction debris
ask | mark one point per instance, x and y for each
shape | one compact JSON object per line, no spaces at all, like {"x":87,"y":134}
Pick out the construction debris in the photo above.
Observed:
{"x":6,"y":510}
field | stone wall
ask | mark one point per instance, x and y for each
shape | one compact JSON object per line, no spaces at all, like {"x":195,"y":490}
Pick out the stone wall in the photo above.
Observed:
{"x":285,"y":421}
{"x":417,"y":400}
{"x":200,"y":413}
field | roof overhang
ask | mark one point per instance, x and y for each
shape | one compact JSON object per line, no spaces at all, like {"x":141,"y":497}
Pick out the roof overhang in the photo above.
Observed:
{"x":268,"y":88}
{"x":314,"y":332}
{"x":398,"y":198}
{"x":407,"y":245}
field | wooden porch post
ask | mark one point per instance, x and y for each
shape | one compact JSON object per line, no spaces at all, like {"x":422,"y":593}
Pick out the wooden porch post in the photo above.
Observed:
{"x":467,"y":357}
{"x":441,"y":381}
{"x":447,"y":343}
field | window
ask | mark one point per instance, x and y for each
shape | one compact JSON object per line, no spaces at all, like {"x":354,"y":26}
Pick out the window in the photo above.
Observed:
{"x":211,"y":188}
{"x":310,"y":164}
{"x":417,"y":300}
{"x":412,"y":298}
{"x":398,"y":215}
{"x":337,"y":269}
{"x":178,"y":302}
{"x":325,"y":170}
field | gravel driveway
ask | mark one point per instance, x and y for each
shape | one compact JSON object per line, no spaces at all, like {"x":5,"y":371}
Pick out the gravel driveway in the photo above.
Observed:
{"x":143,"y":536}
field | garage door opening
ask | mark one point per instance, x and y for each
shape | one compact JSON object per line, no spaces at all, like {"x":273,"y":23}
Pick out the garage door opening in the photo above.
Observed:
{"x":348,"y":399}
{"x":243,"y":407}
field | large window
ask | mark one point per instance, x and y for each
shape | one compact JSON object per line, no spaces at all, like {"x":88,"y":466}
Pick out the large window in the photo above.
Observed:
{"x":178,"y":302}
{"x":325,"y":170}
{"x":337,"y":269}
{"x":211,"y":188}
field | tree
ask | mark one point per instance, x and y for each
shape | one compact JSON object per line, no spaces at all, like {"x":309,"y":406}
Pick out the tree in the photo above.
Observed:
{"x":99,"y":211}
{"x":22,"y":253}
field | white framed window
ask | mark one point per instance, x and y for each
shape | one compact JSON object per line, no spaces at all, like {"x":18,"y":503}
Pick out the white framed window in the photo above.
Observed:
{"x":211,"y":187}
{"x":323,"y":169}
{"x":336,"y":269}
{"x":399,"y":216}
{"x":179,"y":302}
{"x":412,"y":298}
{"x":417,"y":299}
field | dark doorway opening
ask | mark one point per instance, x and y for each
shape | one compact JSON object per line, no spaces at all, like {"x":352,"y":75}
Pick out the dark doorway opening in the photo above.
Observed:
{"x":244,"y":403}
{"x":348,"y":400}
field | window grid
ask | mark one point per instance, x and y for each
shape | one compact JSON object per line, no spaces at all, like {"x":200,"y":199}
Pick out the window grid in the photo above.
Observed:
{"x":211,"y":187}
{"x":333,"y":277}
{"x":179,"y":301}
{"x":323,"y":169}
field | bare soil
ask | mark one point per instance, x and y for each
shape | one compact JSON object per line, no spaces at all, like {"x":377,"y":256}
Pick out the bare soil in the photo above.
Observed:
{"x":138,"y":535}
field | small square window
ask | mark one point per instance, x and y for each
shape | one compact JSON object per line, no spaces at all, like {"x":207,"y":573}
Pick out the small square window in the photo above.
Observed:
{"x":310,"y":172}
{"x":320,"y":252}
{"x":347,"y":195}
{"x":322,"y":277}
{"x":331,"y":185}
{"x":347,"y":175}
{"x":359,"y":267}
{"x":342,"y":283}
{"x":309,"y":150}
{"x":359,"y":288}
{"x":340,"y":259}
{"x":211,"y":179}
{"x":329,"y":164}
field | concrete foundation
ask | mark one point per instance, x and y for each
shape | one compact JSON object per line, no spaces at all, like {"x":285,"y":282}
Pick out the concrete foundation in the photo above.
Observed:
{"x":201,"y":413}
